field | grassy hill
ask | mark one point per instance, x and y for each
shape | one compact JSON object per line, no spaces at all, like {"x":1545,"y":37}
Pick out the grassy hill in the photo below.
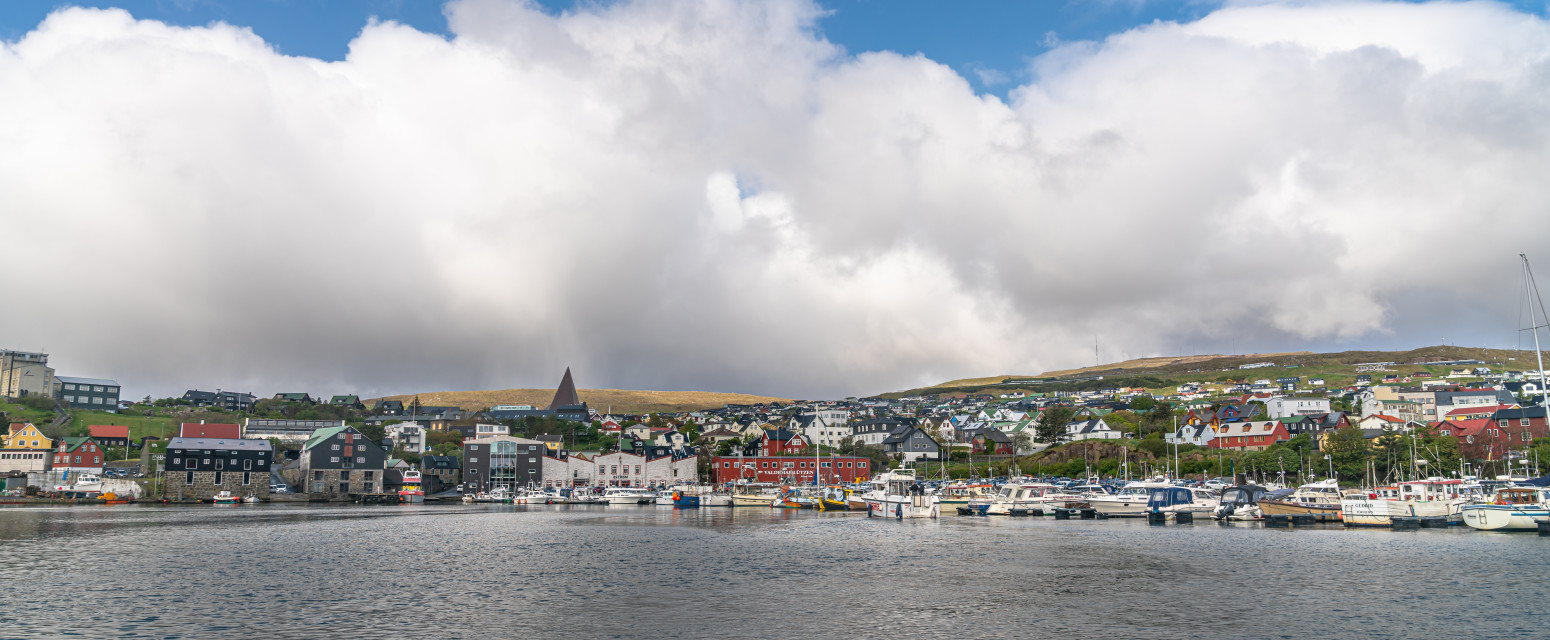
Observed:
{"x":619,"y":400}
{"x":1166,"y":372}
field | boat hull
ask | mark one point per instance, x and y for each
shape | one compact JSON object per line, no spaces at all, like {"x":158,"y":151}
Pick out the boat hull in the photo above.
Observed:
{"x":1133,"y":508}
{"x":901,"y":507}
{"x":1323,"y":512}
{"x":1504,"y":517}
{"x":1369,"y":512}
{"x":752,"y":501}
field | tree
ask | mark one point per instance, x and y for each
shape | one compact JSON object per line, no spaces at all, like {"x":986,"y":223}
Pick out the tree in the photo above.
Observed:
{"x":1052,"y":424}
{"x":1143,"y":404}
{"x":1348,"y":450}
{"x":1021,"y":442}
{"x":724,"y":448}
{"x":373,"y":432}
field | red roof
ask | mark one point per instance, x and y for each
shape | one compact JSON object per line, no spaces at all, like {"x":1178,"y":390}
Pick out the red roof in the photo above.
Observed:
{"x":202,"y":430}
{"x":1461,"y":428}
{"x":108,"y":431}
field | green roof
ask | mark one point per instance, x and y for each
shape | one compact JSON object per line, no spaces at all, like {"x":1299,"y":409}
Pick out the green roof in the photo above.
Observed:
{"x":321,"y":435}
{"x":74,"y":442}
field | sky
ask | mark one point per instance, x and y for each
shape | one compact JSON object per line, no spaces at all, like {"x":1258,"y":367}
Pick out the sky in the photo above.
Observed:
{"x":786,"y":198}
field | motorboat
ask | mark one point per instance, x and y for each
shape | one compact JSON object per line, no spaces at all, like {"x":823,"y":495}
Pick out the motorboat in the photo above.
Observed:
{"x":225,"y":497}
{"x":1022,"y":497}
{"x":682,"y":500}
{"x":1240,"y":502}
{"x":1429,"y":498}
{"x":628,"y":495}
{"x":960,"y":493}
{"x":1510,"y":509}
{"x":251,"y":499}
{"x":1319,"y":499}
{"x":411,"y":492}
{"x":1172,"y":501}
{"x":1129,"y":502}
{"x":83,"y":483}
{"x":755,"y":495}
{"x":716,"y":500}
{"x":898,"y":494}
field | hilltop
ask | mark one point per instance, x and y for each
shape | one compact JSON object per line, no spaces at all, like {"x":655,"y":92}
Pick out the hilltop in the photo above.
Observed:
{"x":616,"y":400}
{"x":1165,"y":372}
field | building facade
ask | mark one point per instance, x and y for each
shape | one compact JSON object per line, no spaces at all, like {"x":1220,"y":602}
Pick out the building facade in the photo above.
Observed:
{"x":198,"y":468}
{"x":24,"y":373}
{"x":789,"y":469}
{"x":340,"y":463}
{"x":25,"y":449}
{"x":502,"y":461}
{"x":285,"y":430}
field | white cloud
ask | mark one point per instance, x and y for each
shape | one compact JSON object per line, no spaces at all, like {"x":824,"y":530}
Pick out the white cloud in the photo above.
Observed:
{"x":707,"y":196}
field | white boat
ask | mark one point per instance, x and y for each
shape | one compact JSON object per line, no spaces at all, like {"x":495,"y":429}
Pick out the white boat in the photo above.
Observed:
{"x":1429,"y":498}
{"x":716,"y":500}
{"x":1022,"y":496}
{"x":755,"y":495}
{"x":628,"y":495}
{"x":85,"y":482}
{"x":1171,"y":501}
{"x":225,"y":497}
{"x":1511,"y":509}
{"x":1319,"y":499}
{"x":1129,"y":502}
{"x":1240,"y":502}
{"x":897,"y":494}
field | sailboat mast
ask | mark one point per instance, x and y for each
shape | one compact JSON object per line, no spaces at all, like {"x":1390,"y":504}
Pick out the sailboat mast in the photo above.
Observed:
{"x":1532,"y":291}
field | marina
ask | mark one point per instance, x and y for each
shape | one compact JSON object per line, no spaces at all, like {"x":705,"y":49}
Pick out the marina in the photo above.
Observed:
{"x":947,"y":576}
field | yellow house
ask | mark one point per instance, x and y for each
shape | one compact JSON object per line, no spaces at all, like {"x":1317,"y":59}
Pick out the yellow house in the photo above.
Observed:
{"x":25,"y":449}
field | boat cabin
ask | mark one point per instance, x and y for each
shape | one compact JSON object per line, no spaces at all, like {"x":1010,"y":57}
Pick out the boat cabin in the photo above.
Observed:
{"x":1163,"y":497}
{"x":1521,"y":495}
{"x":1243,"y":495}
{"x":1429,"y":490}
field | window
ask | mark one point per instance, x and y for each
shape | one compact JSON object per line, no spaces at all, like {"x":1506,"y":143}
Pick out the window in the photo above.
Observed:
{"x":344,"y":487}
{"x":368,"y":487}
{"x":317,"y":476}
{"x":220,"y":463}
{"x":177,"y":461}
{"x":1526,"y":436}
{"x":190,"y":478}
{"x":334,"y":447}
{"x":247,"y":477}
{"x":360,"y":460}
{"x":473,"y":447}
{"x":78,"y":459}
{"x":473,"y":460}
{"x":69,"y":387}
{"x":69,"y":398}
{"x":1501,"y":423}
{"x":344,"y":475}
{"x":1523,"y":422}
{"x":333,"y":459}
{"x":473,"y":472}
{"x":97,"y":389}
{"x":532,"y":460}
{"x":247,"y":464}
{"x":217,"y":477}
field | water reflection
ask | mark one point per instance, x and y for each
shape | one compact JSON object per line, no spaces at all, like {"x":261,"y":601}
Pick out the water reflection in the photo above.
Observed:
{"x":498,"y":570}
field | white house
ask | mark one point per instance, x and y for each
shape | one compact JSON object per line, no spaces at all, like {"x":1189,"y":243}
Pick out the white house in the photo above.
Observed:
{"x":409,"y":436}
{"x":1286,"y":407}
{"x":1091,"y":429}
{"x":1199,"y":435}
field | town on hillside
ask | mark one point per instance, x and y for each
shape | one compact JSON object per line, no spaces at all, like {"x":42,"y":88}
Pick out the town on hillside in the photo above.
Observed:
{"x":76,"y":438}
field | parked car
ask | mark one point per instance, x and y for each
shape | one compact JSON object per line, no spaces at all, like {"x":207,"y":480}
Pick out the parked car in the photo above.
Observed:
{"x":279,"y":488}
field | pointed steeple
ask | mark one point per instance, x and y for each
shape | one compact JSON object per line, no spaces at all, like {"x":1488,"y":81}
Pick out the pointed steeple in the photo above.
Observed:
{"x":566,"y":394}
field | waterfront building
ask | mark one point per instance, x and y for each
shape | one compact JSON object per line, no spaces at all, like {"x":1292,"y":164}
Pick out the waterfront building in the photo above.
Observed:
{"x":25,"y":449}
{"x":338,"y":462}
{"x":98,"y":394}
{"x":216,"y":430}
{"x":502,"y":461}
{"x":198,"y":468}
{"x":77,"y":454}
{"x":645,"y":467}
{"x":789,"y":469}
{"x":440,"y":472}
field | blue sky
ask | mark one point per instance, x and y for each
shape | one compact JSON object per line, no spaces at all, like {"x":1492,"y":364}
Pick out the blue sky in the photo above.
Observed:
{"x":987,"y":41}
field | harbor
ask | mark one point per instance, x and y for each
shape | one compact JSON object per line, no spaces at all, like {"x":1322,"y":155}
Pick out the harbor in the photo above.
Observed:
{"x":646,"y":571}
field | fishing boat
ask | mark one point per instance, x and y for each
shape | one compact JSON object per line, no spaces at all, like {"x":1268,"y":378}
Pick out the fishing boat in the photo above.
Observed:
{"x":833,"y":498}
{"x":1319,"y":499}
{"x":897,"y":494}
{"x":1429,"y":498}
{"x":411,"y":492}
{"x":682,"y":500}
{"x":1129,"y":502}
{"x":225,"y":497}
{"x":1510,"y":509}
{"x":1240,"y":502}
{"x":250,"y":499}
{"x":754,"y":495}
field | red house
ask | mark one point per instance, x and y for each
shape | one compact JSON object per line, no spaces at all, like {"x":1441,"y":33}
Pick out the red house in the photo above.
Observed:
{"x":212,"y":430}
{"x":78,"y":454}
{"x":790,"y":469}
{"x":776,"y":442}
{"x":109,"y":435}
{"x":1250,"y":436}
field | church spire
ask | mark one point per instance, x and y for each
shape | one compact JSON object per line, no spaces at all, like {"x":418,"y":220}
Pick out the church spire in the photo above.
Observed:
{"x":566,"y":394}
